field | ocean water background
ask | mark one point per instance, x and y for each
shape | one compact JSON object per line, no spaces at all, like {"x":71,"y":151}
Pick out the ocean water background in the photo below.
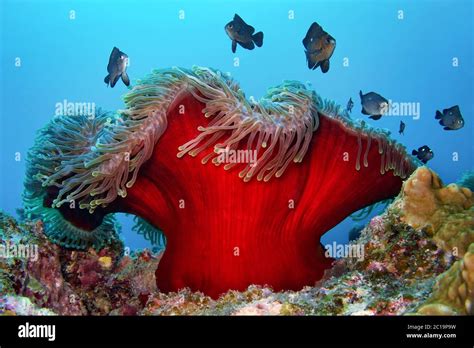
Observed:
{"x":407,"y":59}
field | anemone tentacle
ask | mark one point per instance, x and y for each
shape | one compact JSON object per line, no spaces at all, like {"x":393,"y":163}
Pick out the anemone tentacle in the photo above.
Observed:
{"x":149,"y":232}
{"x":365,"y":212}
{"x":91,"y":161}
{"x":278,"y":128}
{"x":313,"y":166}
{"x":60,"y":151}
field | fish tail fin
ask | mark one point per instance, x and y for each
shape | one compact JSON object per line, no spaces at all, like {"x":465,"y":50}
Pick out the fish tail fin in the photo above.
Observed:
{"x":414,"y":152}
{"x":258,"y":39}
{"x":107,"y":79}
{"x":439,"y":115}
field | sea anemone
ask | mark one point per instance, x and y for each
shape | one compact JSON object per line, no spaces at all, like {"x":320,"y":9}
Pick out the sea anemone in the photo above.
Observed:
{"x":224,"y":229}
{"x":61,"y":150}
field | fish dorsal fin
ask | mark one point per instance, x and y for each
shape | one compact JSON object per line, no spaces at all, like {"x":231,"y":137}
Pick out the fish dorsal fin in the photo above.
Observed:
{"x":115,"y":51}
{"x":114,"y":54}
{"x":314,"y":30}
{"x":238,"y":19}
{"x":243,"y":28}
{"x":113,"y":59}
{"x":316,"y":27}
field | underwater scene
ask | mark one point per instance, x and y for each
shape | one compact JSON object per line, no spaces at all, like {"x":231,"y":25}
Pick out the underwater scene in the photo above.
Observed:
{"x":236,"y":157}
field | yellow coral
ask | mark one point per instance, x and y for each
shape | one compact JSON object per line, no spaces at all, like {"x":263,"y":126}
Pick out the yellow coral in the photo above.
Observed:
{"x":446,"y":212}
{"x":105,"y":262}
{"x":454,"y":293}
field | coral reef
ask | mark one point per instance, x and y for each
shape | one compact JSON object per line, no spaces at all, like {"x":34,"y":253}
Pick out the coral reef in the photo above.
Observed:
{"x":454,"y":292}
{"x":70,"y":282}
{"x":443,"y":211}
{"x":412,"y":264}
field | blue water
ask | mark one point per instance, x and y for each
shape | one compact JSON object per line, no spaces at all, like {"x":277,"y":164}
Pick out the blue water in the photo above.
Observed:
{"x":405,"y":60}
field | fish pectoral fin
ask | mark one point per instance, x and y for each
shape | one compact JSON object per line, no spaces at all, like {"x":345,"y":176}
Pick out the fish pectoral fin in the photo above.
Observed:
{"x":125,"y":79}
{"x":325,"y":66}
{"x":114,"y":80}
{"x":364,"y":112}
{"x":312,"y":63}
{"x":258,"y":39}
{"x":375,"y":117}
{"x":106,"y":79}
{"x":447,"y":128}
{"x":234,"y":46}
{"x":248,"y":45}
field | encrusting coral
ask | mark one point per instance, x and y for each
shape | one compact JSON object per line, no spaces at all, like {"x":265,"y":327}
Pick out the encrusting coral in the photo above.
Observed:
{"x":454,"y":291}
{"x":409,"y":265}
{"x":447,"y":213}
{"x":443,"y":211}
